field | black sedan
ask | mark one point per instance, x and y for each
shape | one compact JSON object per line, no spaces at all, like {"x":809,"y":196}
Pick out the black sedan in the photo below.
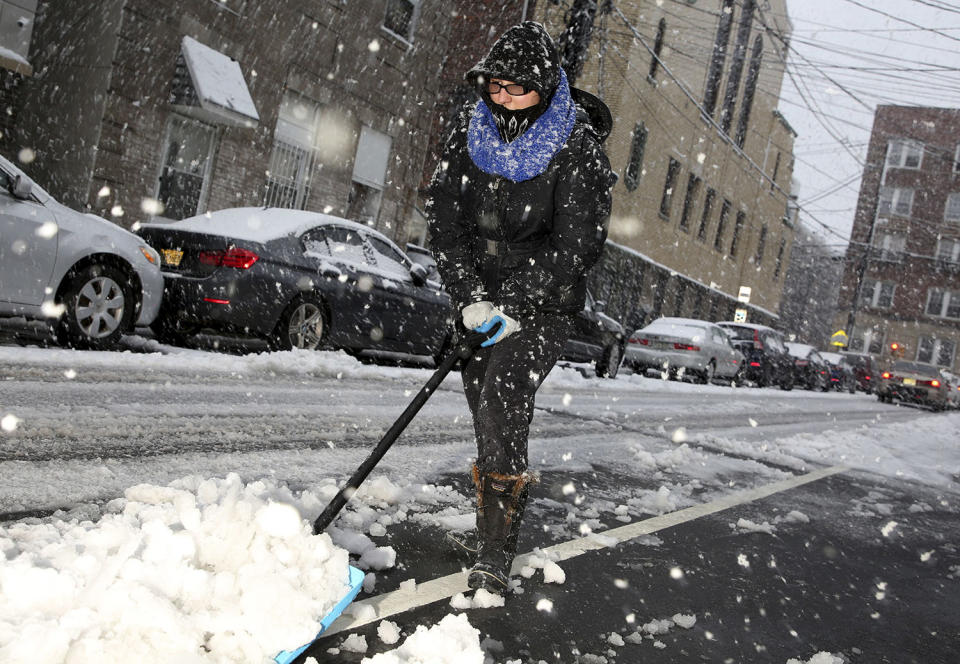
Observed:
{"x":596,"y":338}
{"x":297,"y":279}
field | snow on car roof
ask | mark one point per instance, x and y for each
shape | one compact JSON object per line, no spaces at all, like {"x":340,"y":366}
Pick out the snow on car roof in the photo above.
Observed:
{"x":256,"y":224}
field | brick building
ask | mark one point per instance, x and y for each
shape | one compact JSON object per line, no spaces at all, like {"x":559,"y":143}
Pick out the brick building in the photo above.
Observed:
{"x":705,"y":159}
{"x":144,"y":108}
{"x":902,"y":278}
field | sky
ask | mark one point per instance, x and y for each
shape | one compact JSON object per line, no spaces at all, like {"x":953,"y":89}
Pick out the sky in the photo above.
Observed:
{"x":904,"y":58}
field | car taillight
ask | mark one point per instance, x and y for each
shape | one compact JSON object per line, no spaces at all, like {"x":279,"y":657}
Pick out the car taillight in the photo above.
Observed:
{"x":885,"y":374}
{"x":802,"y":363}
{"x":679,"y":346}
{"x":934,"y":383}
{"x":642,"y":342}
{"x":756,"y":340}
{"x":754,"y":364}
{"x":232,"y":257}
{"x":866,"y":377}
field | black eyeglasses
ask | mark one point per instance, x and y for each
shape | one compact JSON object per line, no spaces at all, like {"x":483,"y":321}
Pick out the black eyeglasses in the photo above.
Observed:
{"x":514,"y":89}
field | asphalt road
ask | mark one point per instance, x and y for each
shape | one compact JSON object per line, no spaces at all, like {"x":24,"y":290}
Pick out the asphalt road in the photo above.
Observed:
{"x":871,"y":571}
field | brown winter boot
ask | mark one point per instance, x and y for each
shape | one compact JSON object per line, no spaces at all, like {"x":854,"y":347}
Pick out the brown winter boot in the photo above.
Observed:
{"x":501,"y":500}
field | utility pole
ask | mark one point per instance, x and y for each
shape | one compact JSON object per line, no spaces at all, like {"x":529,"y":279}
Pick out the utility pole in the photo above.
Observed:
{"x":575,"y":39}
{"x":865,"y":259}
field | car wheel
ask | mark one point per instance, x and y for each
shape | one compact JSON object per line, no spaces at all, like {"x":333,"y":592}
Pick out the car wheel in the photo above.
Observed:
{"x":788,"y":382}
{"x":303,"y":324}
{"x":98,"y":306}
{"x":170,"y":330}
{"x":706,"y":376}
{"x":609,"y":363}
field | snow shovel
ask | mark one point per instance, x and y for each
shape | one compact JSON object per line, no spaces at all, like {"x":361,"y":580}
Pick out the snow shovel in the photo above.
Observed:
{"x":464,"y":350}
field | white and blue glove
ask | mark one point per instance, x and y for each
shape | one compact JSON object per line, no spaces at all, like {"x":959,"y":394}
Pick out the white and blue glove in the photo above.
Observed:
{"x":483,"y":316}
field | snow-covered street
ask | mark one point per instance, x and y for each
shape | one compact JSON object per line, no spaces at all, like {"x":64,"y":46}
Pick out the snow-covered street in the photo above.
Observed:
{"x":237,"y":439}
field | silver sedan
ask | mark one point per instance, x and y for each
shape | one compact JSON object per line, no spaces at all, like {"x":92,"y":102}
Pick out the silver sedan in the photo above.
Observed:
{"x":678,"y":347}
{"x":91,"y":278}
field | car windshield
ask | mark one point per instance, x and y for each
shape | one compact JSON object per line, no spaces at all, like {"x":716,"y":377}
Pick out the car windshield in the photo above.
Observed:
{"x":915,"y":367}
{"x":742,"y":333}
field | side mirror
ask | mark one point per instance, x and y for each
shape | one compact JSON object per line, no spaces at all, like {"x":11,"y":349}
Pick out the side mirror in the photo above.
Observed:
{"x":22,"y":187}
{"x":419,"y":274}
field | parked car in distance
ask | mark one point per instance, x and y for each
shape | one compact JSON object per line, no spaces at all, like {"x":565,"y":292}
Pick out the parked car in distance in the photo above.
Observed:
{"x":91,"y":279}
{"x":953,"y":389}
{"x":596,"y":338}
{"x":766,"y":359}
{"x":684,"y":346}
{"x":842,"y":376}
{"x":812,"y":371}
{"x":914,"y":382}
{"x":297,"y":279}
{"x":865,"y":370}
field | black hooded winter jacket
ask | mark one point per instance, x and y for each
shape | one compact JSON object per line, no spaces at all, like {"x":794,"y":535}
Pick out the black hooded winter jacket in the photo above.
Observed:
{"x":526,"y":246}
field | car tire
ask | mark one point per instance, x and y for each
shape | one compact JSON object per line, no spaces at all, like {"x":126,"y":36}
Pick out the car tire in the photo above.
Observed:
{"x":170,"y":330}
{"x":98,"y":305}
{"x":303,"y":325}
{"x":706,"y":376}
{"x":608,"y":366}
{"x":789,"y":380}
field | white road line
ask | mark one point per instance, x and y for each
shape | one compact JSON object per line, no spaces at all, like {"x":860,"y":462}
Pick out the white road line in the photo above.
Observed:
{"x":399,"y":601}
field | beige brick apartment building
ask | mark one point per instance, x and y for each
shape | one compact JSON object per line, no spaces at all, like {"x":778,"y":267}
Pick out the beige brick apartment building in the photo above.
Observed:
{"x":207,"y":104}
{"x":902,"y":279}
{"x":704,"y":157}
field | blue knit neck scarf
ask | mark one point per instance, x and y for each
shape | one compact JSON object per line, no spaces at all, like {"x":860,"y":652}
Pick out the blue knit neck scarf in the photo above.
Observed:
{"x":529,"y":154}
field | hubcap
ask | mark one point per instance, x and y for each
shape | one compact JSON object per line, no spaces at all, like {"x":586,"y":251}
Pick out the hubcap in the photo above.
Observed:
{"x":100,"y":306}
{"x":306,"y":327}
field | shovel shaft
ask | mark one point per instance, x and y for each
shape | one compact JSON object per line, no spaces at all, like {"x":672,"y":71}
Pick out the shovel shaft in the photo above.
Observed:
{"x":464,"y":350}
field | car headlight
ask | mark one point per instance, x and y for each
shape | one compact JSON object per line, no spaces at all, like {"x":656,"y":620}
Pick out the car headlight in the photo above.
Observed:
{"x":150,"y":255}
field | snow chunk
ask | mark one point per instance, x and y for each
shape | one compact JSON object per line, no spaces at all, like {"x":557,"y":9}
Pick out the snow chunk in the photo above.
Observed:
{"x":553,"y":573}
{"x":452,"y":641}
{"x":481,"y":599}
{"x":389,"y":632}
{"x":819,"y":658}
{"x":354,"y":643}
{"x":748,"y":526}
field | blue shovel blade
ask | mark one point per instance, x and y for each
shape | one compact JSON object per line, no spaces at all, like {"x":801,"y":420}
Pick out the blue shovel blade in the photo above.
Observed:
{"x":356,"y":581}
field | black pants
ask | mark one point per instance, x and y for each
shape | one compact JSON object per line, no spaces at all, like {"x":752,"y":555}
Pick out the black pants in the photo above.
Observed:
{"x":500,"y":383}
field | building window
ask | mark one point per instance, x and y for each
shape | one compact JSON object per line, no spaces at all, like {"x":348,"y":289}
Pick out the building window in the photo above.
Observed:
{"x":736,"y":65}
{"x":749,"y":90}
{"x":956,"y":159}
{"x":720,"y":46}
{"x":761,"y":244}
{"x":948,"y":250}
{"x":657,"y":48}
{"x":776,"y":172}
{"x":666,"y":202}
{"x":637,"y":148}
{"x":952,"y":210}
{"x":878,"y":294}
{"x":779,"y":264}
{"x":187,"y":159}
{"x":891,"y":246}
{"x":943,"y":304}
{"x":896,"y":201}
{"x":401,"y":18}
{"x":904,"y":154}
{"x":705,"y":218}
{"x":931,"y":350}
{"x":737,"y":230}
{"x":724,"y":213}
{"x":693,"y":192}
{"x":292,"y":158}
{"x":369,"y":175}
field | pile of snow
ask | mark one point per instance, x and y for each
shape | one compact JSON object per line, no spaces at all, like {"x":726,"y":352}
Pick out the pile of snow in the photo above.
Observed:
{"x":202,"y":570}
{"x":820,"y":658}
{"x":451,"y":641}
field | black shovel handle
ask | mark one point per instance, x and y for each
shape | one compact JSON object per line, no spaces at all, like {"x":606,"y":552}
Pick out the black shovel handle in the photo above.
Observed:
{"x":463,"y":350}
